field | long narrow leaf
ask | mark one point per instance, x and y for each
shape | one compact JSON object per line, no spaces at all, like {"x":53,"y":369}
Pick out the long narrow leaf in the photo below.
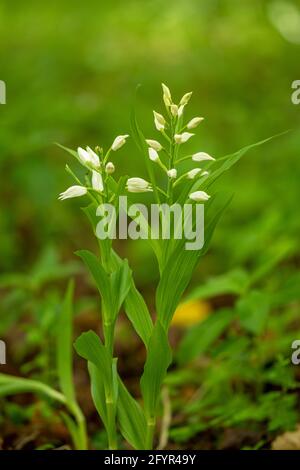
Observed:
{"x":131,"y":417}
{"x":158,"y":360}
{"x":64,"y":345}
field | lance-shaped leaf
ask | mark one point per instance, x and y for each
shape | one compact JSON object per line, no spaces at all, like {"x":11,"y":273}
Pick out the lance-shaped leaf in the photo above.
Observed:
{"x":113,"y":287}
{"x":217,"y":168}
{"x":100,"y":276}
{"x":98,"y":391}
{"x":120,"y":283}
{"x":181,"y":264}
{"x":158,"y":360}
{"x":134,"y":305}
{"x":136,"y":308}
{"x":131,"y":417}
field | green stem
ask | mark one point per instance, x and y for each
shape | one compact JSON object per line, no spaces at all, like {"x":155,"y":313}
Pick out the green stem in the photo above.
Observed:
{"x":109,"y":335}
{"x":109,"y":330}
{"x":111,"y":423}
{"x":81,"y":425}
{"x":150,"y":433}
{"x":171,"y":163}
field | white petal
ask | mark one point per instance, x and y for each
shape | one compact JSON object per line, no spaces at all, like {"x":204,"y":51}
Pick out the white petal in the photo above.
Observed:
{"x":83,"y":156}
{"x":109,"y":168}
{"x":73,"y":191}
{"x":97,"y":182}
{"x":194,"y":122}
{"x":192,"y":173}
{"x":180,"y":110}
{"x":202,"y":156}
{"x":182,"y":138}
{"x":199,"y":196}
{"x":153,"y":155}
{"x":94,"y":159}
{"x":166,"y":95}
{"x":154,"y":144}
{"x":186,"y":98}
{"x":174,"y":110}
{"x":138,"y":185}
{"x":119,"y":142}
{"x":172,"y":173}
{"x":159,"y":121}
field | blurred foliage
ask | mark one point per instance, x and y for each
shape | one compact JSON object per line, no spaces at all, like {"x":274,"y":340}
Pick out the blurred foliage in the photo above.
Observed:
{"x":71,"y":69}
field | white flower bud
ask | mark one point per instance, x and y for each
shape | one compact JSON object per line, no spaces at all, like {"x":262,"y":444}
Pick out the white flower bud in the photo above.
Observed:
{"x":174,"y":110}
{"x":199,"y":196}
{"x":153,"y":155}
{"x":88,"y":157}
{"x":166,"y":95}
{"x":192,"y":173}
{"x":201,"y":157}
{"x":138,"y":185}
{"x":119,"y":142}
{"x":180,"y":110}
{"x":194,"y":122}
{"x":181,"y":138}
{"x":172,"y":173}
{"x":205,"y":173}
{"x":73,"y":191}
{"x":97,"y":183}
{"x":186,"y":98}
{"x":159,"y":121}
{"x":109,"y":168}
{"x":154,"y":144}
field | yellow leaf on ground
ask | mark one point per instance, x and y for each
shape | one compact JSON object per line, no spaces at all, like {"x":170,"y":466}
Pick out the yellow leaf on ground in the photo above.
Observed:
{"x":189,"y":313}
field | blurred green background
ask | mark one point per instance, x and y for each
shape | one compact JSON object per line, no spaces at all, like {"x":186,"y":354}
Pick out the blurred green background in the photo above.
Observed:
{"x":71,"y":69}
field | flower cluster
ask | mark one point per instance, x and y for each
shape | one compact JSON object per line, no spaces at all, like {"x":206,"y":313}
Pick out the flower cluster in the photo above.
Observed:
{"x":98,"y":166}
{"x":176,"y":133}
{"x":166,"y":156}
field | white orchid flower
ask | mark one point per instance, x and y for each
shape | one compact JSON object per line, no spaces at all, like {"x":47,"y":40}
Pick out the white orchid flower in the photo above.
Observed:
{"x":185,"y":99}
{"x":194,"y":122}
{"x":182,"y":138}
{"x":154,"y":144}
{"x":97,"y":182}
{"x":153,"y":155}
{"x":180,"y":110}
{"x":159,"y":121}
{"x":193,"y":173}
{"x":109,"y":168}
{"x":174,"y":110}
{"x":138,"y":185}
{"x":119,"y":142}
{"x":88,"y":157}
{"x":73,"y":191}
{"x":166,"y":95}
{"x":199,"y":196}
{"x":172,"y":173}
{"x":202,"y":156}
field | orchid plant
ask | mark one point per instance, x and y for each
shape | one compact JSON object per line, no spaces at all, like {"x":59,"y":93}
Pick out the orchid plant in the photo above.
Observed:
{"x":170,"y":181}
{"x":137,"y":418}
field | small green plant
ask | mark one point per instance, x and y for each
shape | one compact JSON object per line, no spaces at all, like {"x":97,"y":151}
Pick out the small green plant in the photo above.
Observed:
{"x":65,"y":396}
{"x":118,"y":409}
